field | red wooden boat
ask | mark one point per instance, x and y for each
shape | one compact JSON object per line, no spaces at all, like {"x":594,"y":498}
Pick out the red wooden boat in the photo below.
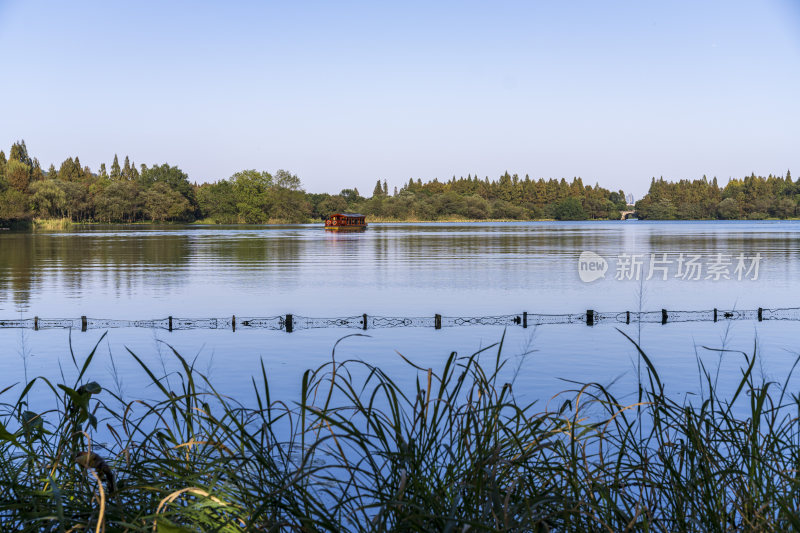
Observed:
{"x":346,"y":221}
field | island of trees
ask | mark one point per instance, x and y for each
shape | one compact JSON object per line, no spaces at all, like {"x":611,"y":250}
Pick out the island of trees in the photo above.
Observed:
{"x":125,"y":193}
{"x":753,"y":197}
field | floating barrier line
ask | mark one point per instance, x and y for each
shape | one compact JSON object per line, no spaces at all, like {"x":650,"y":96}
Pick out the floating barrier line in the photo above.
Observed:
{"x":290,"y":323}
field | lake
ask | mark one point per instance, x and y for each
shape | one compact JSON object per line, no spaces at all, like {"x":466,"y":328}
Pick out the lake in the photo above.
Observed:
{"x":145,"y":272}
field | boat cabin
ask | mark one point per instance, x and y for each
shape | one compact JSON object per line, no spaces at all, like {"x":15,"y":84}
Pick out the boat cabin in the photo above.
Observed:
{"x":339,"y":221}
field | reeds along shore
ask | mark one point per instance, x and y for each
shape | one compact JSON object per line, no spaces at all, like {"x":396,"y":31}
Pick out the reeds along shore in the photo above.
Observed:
{"x":355,"y":451}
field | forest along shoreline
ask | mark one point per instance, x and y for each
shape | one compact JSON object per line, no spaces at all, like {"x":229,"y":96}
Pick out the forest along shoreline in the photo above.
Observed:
{"x":125,"y":193}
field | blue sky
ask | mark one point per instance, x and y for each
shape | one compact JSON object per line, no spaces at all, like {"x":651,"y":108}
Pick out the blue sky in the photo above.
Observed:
{"x":344,"y":93}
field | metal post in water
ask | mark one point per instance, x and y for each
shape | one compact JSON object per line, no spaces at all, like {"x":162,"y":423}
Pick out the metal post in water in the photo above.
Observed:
{"x":364,"y":322}
{"x":524,"y":319}
{"x":715,"y":314}
{"x":36,"y":323}
{"x":288,"y":324}
{"x":83,"y":323}
{"x":627,"y":317}
{"x":590,"y":317}
{"x":760,"y":314}
{"x":437,"y":321}
{"x":233,"y":323}
{"x":170,"y":323}
{"x":664,"y":316}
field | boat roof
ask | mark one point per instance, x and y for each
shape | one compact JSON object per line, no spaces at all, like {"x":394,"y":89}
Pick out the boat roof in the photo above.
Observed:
{"x":346,"y":215}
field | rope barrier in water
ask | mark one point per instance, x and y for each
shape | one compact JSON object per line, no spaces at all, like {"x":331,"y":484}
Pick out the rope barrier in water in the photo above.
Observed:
{"x":290,"y":323}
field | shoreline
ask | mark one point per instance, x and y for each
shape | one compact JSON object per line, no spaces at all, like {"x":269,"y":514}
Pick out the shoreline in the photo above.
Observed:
{"x":64,"y":224}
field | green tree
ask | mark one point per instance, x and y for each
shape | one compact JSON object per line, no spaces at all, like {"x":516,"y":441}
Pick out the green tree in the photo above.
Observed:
{"x":14,"y":205}
{"x":350,"y":195}
{"x":70,"y":170}
{"x":78,"y":204}
{"x":217,"y":201}
{"x":570,"y":209}
{"x":17,"y":175}
{"x":126,"y":170}
{"x":36,"y":173}
{"x":377,"y":192}
{"x":48,"y":198}
{"x":288,"y":199}
{"x":162,"y":203}
{"x":785,"y":208}
{"x":286,"y":180}
{"x":172,"y":176}
{"x":501,"y":209}
{"x":728,"y":209}
{"x":331,"y":205}
{"x":134,"y":174}
{"x":475,"y":207}
{"x":103,"y":173}
{"x":663,"y":209}
{"x":19,"y":152}
{"x":251,"y":191}
{"x":116,"y":173}
{"x":618,"y":199}
{"x":119,"y":201}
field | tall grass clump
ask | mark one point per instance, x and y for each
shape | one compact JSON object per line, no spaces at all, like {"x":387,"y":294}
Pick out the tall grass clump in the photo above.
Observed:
{"x":52,"y":224}
{"x":456,"y":450}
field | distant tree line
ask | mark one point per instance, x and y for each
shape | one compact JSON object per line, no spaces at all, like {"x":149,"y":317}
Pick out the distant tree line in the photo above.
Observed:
{"x":125,"y":193}
{"x":509,"y":197}
{"x":253,"y":197}
{"x":753,"y":197}
{"x":119,"y":194}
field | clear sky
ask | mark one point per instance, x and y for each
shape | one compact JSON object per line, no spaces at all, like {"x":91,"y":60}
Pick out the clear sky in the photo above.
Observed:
{"x":343,"y":93}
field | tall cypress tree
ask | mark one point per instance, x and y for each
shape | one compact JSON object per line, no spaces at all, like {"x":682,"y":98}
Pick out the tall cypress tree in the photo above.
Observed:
{"x":19,"y":152}
{"x":103,"y":173}
{"x":126,"y":169}
{"x":36,"y":171}
{"x":378,"y":190}
{"x":67,"y":171}
{"x":52,"y":173}
{"x":116,"y":174}
{"x":385,"y":188}
{"x":2,"y":164}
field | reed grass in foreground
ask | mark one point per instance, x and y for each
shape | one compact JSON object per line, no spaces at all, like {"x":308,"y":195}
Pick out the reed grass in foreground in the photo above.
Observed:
{"x":354,"y":451}
{"x":52,"y":224}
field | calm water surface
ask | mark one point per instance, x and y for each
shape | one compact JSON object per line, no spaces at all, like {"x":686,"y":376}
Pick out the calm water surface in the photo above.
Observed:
{"x":415,"y":270}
